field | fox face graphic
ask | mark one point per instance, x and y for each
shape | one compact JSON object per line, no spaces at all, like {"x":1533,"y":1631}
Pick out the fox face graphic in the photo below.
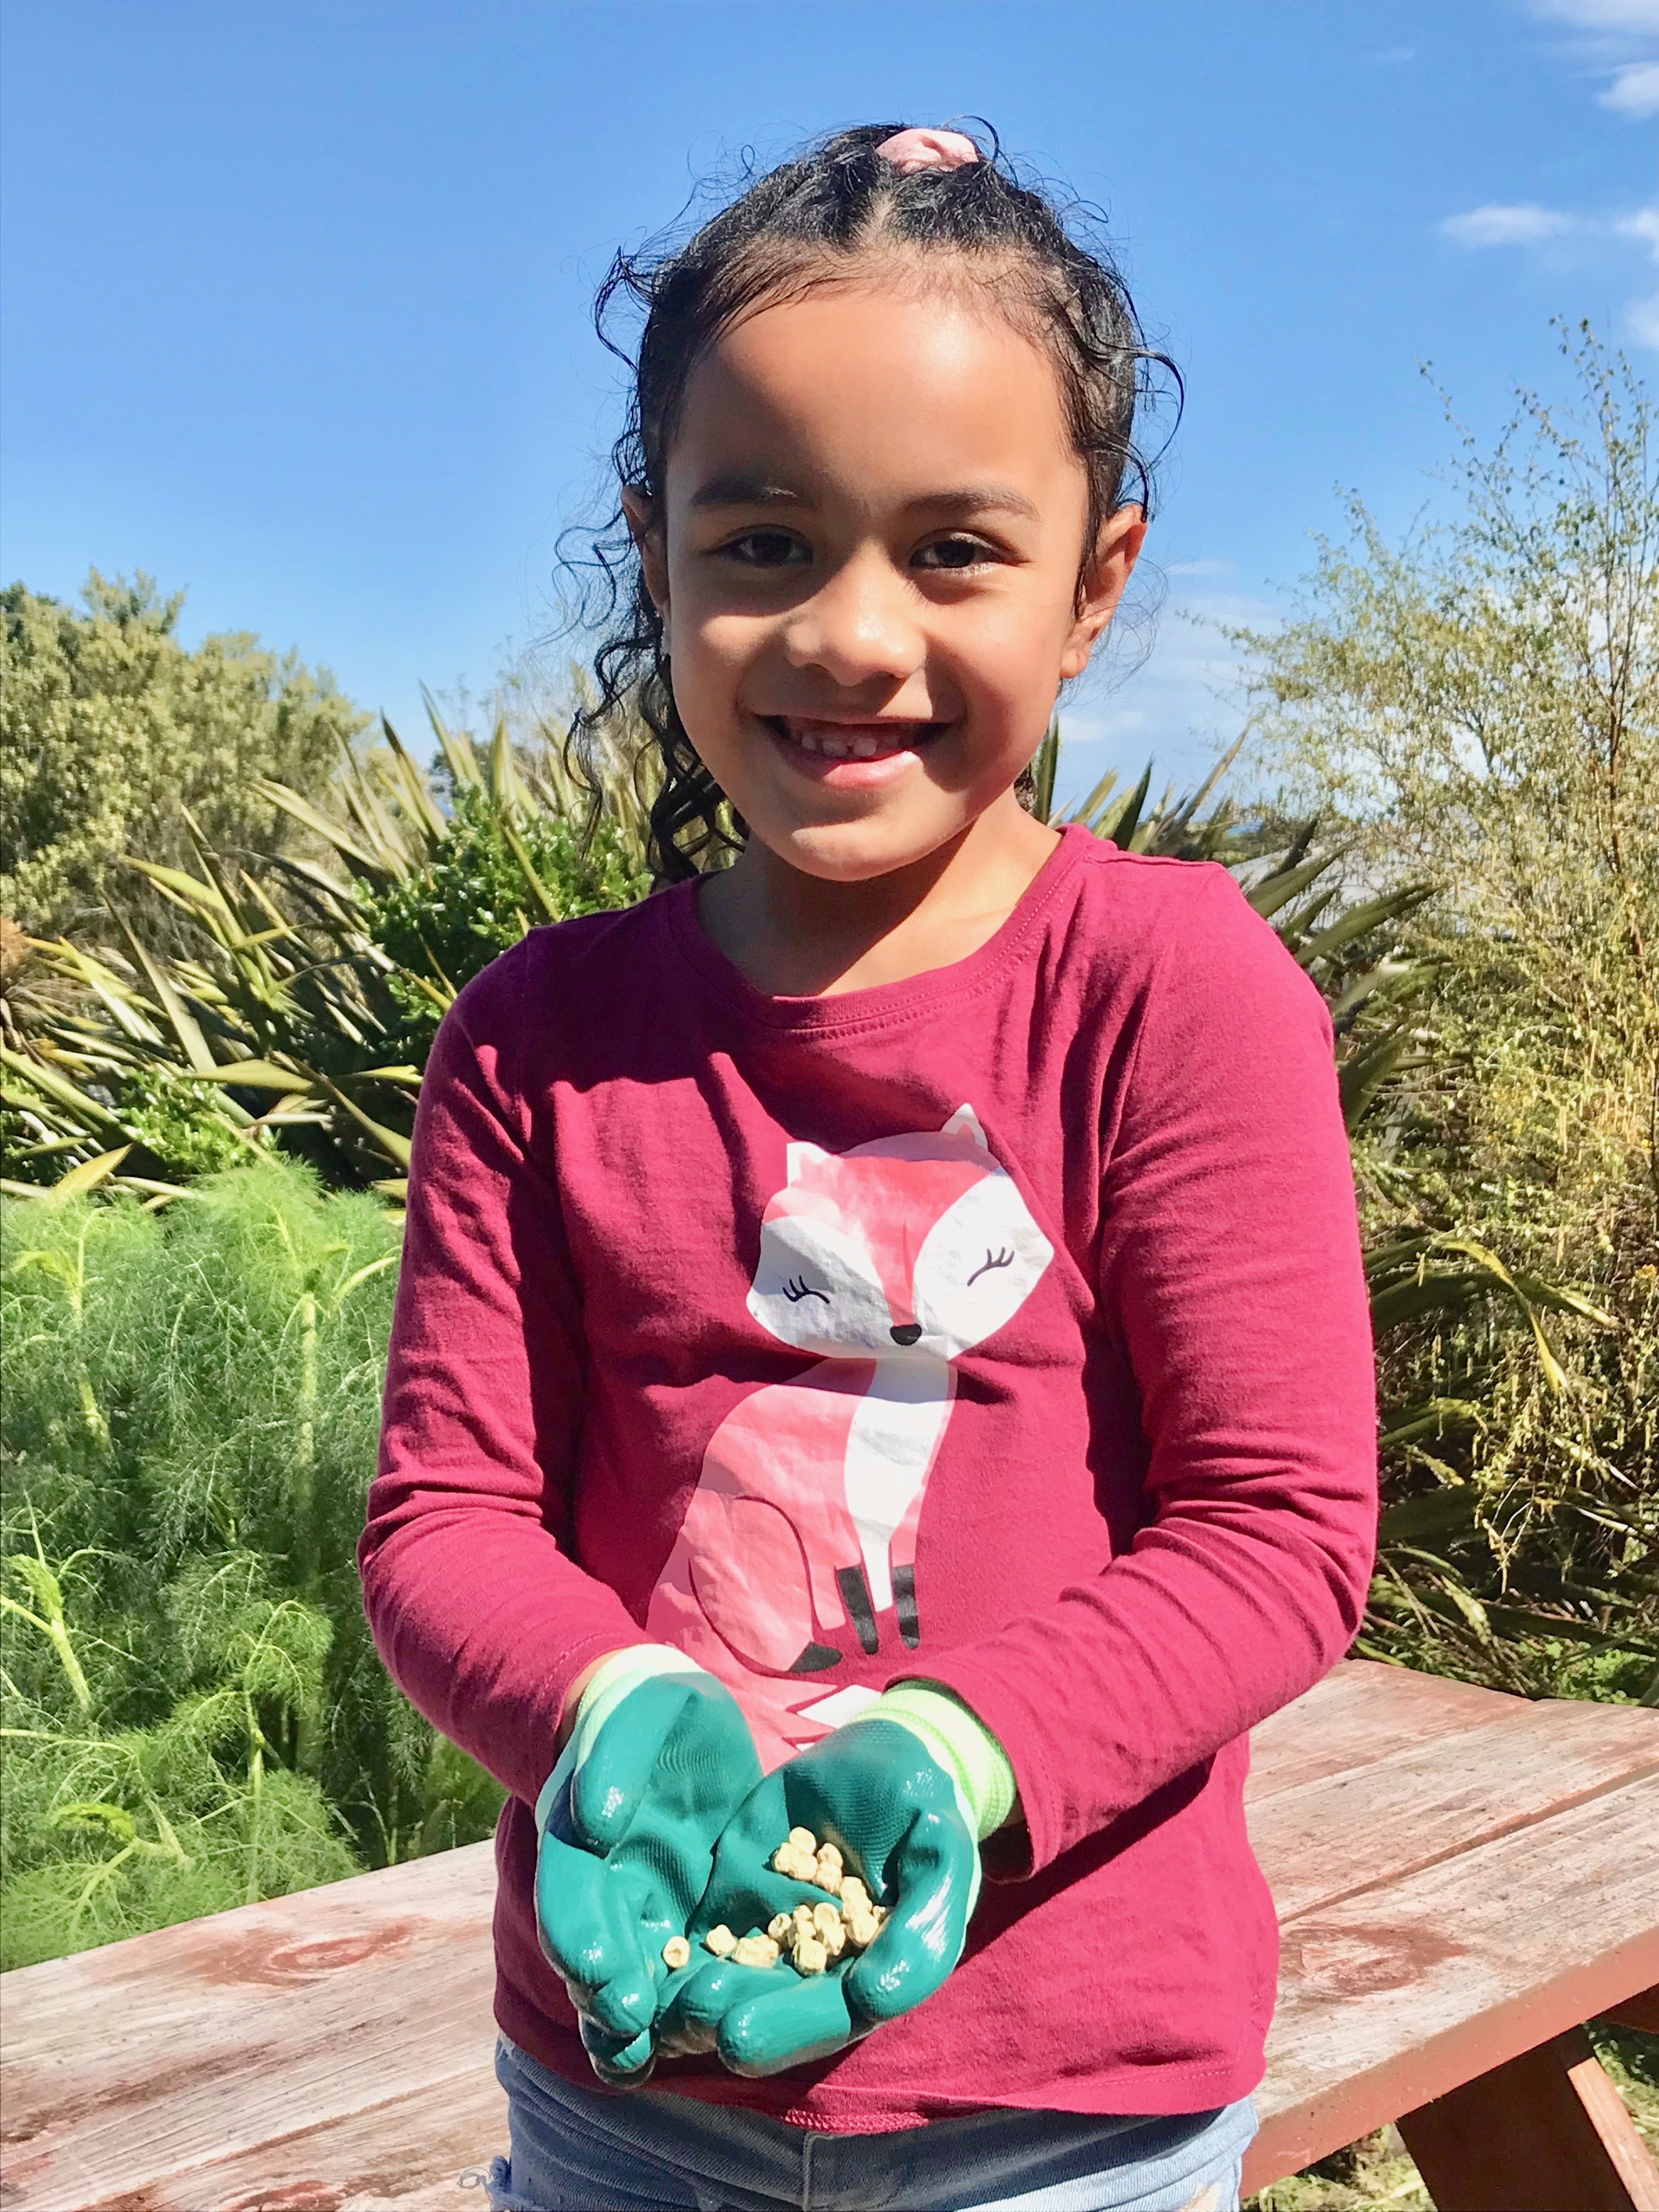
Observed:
{"x":884,"y":1264}
{"x":918,"y":1245}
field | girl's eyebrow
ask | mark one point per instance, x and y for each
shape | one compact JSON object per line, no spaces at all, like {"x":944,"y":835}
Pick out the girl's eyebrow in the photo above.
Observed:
{"x":979,"y":499}
{"x":740,"y":487}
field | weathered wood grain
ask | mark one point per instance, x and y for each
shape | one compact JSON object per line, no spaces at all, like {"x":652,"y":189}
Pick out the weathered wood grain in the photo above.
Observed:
{"x":1394,"y":1997}
{"x":128,"y":2065}
{"x":1360,"y":1712}
{"x":1322,"y":1840}
{"x":1461,"y":1876}
{"x":408,"y":2156}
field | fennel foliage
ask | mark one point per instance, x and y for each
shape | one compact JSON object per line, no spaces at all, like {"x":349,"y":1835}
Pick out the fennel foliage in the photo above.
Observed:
{"x":194,"y":1715}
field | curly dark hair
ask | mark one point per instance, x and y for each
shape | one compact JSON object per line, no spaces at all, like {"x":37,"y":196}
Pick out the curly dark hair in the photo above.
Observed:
{"x":799,"y":225}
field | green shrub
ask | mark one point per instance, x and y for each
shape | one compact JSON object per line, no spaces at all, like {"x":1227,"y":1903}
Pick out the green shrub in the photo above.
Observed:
{"x":1479,"y":709}
{"x":108,"y":724}
{"x":455,"y":912}
{"x":194,"y":1714}
{"x":180,"y":1122}
{"x":299,"y":1006}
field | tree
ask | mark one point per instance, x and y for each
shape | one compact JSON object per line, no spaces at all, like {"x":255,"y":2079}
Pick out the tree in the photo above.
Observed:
{"x":108,"y":724}
{"x":1480,"y":707}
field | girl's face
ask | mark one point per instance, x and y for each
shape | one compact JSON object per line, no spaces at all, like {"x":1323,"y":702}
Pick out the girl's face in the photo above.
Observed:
{"x":866,"y":561}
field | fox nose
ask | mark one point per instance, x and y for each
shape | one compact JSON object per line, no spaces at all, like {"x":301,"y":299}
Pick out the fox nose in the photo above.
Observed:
{"x":906,"y":1332}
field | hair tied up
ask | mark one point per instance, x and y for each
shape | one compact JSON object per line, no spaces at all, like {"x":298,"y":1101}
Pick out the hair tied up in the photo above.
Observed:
{"x":909,"y":151}
{"x":888,"y":192}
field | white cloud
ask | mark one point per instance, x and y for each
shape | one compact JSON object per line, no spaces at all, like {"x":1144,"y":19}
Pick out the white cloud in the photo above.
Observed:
{"x":1634,"y":91}
{"x":1531,"y":225}
{"x":1528,"y":224}
{"x":1602,"y":14}
{"x":1612,"y":42}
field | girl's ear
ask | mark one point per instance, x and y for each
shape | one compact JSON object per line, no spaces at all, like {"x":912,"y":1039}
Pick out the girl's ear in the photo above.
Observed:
{"x":645,"y":530}
{"x":1121,"y":536}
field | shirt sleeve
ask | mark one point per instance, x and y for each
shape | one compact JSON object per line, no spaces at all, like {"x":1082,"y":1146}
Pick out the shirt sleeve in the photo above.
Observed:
{"x":1230,"y":1275}
{"x":483,"y":1619}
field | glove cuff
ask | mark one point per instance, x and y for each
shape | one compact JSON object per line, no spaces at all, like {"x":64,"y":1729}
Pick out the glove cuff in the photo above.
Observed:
{"x":613,"y":1678}
{"x":962,"y":1744}
{"x":611,"y":1682}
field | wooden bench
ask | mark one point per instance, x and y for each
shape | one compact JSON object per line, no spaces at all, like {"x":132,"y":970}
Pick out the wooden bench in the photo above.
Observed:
{"x":1462,"y":1878}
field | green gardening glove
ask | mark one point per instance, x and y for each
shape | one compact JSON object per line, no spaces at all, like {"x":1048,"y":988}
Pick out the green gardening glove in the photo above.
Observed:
{"x":659,"y":1758}
{"x":905,"y":1792}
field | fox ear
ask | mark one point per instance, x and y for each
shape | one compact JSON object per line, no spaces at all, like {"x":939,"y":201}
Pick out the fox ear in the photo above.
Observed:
{"x":964,"y":1122}
{"x":798,"y":1158}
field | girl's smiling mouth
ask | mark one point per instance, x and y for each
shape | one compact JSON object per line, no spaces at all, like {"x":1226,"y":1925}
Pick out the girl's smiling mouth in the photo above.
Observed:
{"x":849,"y":751}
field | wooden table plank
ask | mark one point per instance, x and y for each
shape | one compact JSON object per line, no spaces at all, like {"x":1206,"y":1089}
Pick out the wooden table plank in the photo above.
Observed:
{"x":1421,"y":1802}
{"x":1361,"y":1711}
{"x":1388,"y":1998}
{"x":147,"y":2059}
{"x":1460,"y":1875}
{"x":1545,"y":2131}
{"x":407,"y":2155}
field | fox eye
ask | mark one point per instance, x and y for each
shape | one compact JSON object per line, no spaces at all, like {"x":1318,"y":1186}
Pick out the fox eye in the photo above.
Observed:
{"x":798,"y":1288}
{"x":1005,"y":1258}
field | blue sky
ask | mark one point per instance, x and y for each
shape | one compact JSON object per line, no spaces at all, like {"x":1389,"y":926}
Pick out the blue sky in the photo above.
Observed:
{"x":293,"y":296}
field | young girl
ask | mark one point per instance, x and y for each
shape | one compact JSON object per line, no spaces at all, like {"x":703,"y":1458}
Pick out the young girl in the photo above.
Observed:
{"x":881,"y":1347}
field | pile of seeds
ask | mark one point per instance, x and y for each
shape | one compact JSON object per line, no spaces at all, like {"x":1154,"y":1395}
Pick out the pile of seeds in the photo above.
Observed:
{"x":812,"y":1935}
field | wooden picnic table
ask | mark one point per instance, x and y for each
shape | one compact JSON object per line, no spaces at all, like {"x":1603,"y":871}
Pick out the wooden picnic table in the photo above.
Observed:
{"x":1462,"y":1878}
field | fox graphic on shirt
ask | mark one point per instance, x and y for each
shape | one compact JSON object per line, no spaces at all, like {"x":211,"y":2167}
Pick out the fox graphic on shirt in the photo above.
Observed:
{"x":799,"y":1546}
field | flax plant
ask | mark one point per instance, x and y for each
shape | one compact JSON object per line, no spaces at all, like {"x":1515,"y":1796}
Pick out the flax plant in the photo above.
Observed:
{"x":302,"y":1015}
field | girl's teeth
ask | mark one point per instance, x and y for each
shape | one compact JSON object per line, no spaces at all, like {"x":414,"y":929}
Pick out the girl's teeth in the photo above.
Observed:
{"x":857,"y":745}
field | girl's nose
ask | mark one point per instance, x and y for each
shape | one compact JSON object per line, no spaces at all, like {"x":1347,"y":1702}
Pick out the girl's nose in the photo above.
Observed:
{"x":858,"y":626}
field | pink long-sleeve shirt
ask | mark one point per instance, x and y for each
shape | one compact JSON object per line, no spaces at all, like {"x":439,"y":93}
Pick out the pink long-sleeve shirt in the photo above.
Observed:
{"x":1003,"y":1327}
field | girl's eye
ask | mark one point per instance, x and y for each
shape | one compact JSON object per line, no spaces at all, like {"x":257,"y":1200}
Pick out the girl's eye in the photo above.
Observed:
{"x":766,"y":548}
{"x":952,"y":553}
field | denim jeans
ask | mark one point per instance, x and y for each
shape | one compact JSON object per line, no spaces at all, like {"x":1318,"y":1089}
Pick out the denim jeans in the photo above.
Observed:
{"x":577,"y":2150}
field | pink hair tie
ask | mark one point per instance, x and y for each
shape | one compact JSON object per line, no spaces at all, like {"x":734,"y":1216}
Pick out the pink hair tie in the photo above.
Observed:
{"x":929,"y":149}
